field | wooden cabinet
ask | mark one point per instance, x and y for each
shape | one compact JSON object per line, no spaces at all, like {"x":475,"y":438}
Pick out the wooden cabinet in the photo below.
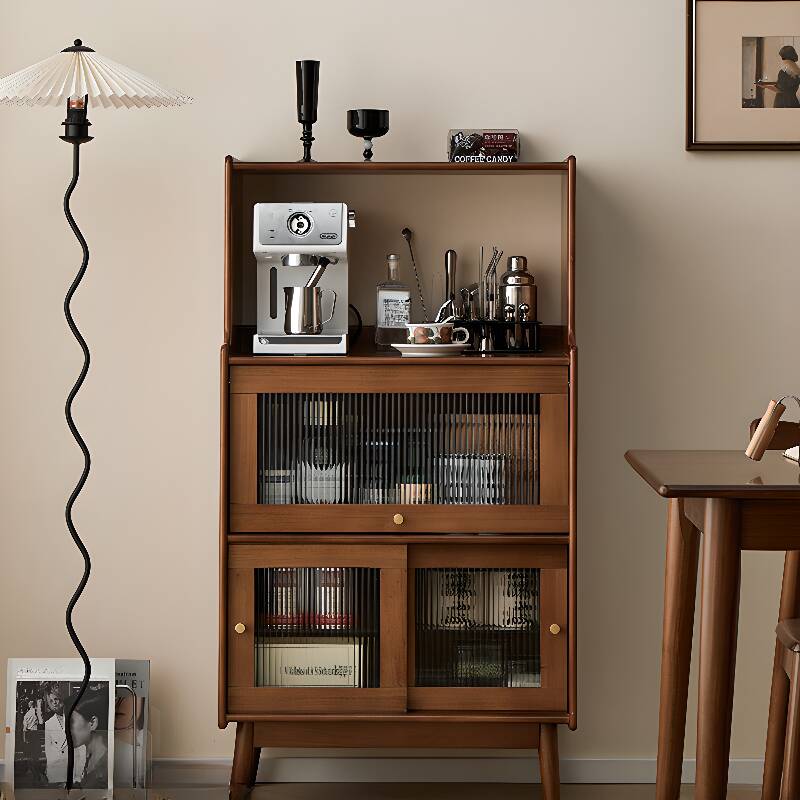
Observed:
{"x":398,"y":537}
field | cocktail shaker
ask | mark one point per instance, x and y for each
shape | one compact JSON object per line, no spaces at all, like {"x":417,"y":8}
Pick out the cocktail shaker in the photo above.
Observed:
{"x":518,"y":291}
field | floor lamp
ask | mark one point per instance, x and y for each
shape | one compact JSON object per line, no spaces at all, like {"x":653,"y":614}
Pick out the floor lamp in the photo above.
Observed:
{"x":79,"y":76}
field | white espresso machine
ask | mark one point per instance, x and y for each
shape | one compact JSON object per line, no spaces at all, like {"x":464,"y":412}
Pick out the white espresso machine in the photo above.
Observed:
{"x":301,"y":262}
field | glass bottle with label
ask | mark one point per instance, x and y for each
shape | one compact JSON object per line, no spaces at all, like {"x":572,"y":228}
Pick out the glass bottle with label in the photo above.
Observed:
{"x":393,"y":312}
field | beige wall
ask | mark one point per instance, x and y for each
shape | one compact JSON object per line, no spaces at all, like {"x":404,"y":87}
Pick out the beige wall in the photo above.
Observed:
{"x":687,"y":323}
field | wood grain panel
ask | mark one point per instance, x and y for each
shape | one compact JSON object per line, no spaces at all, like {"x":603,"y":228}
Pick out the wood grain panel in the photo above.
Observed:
{"x":263,"y":700}
{"x":569,"y":269}
{"x":230,"y":209}
{"x":243,"y":448}
{"x":241,"y":646}
{"x":572,"y":575}
{"x":548,"y":762}
{"x":773,"y":525}
{"x":380,"y":519}
{"x":553,"y":647}
{"x":245,"y":556}
{"x":452,"y":539}
{"x":554,"y":449}
{"x":411,"y":622}
{"x":417,"y":734}
{"x":680,"y":587}
{"x":393,"y":628}
{"x":427,"y":377}
{"x":533,"y":716}
{"x":764,"y":524}
{"x":222,"y":639}
{"x":498,"y":555}
{"x":719,"y":617}
{"x":491,"y":699}
{"x":378,"y":167}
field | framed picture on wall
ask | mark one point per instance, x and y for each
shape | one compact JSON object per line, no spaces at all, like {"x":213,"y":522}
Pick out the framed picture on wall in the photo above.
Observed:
{"x":743,"y":75}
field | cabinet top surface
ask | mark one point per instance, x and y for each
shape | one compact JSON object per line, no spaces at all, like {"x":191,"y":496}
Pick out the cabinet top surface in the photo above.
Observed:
{"x":378,"y":167}
{"x":717,"y":473}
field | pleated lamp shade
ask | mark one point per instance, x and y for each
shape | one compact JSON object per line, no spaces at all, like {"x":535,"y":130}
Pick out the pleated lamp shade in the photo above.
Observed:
{"x":77,"y":72}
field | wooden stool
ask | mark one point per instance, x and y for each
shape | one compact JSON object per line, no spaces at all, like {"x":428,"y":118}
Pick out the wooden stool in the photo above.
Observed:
{"x":789,"y":639}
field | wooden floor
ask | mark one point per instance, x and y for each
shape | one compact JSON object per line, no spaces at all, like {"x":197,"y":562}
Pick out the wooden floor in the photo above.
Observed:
{"x":405,"y":791}
{"x":449,"y":791}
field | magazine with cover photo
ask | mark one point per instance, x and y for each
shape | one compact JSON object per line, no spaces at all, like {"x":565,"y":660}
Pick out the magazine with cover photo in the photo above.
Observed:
{"x":39,"y":693}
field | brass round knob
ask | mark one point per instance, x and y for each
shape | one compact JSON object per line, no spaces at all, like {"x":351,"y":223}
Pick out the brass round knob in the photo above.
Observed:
{"x":555,"y":629}
{"x":239,"y":627}
{"x":399,"y":519}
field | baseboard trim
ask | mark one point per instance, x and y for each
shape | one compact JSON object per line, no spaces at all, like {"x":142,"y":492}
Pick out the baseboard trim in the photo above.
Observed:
{"x":522,"y":767}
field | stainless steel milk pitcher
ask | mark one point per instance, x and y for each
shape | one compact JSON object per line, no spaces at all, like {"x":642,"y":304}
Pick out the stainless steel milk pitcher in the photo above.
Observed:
{"x":303,"y":310}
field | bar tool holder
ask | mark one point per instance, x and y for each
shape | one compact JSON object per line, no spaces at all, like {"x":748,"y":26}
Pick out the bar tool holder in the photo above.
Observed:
{"x":503,"y":337}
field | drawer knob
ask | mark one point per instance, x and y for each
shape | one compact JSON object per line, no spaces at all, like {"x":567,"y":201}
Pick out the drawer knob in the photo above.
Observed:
{"x":555,"y":629}
{"x":239,"y":627}
{"x":399,"y":519}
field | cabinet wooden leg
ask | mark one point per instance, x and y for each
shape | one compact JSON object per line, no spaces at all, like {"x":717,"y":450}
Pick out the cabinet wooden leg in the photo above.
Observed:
{"x":719,"y":619}
{"x":548,"y":761}
{"x":680,"y":590}
{"x":254,"y":770}
{"x":779,"y":696}
{"x":243,"y":757}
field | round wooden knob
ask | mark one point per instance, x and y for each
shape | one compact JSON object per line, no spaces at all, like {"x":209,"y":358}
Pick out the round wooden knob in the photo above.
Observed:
{"x":239,"y":627}
{"x":399,"y":519}
{"x":555,"y":629}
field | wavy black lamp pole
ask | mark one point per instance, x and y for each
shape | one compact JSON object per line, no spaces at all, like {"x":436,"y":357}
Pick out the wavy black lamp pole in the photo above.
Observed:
{"x":76,"y":132}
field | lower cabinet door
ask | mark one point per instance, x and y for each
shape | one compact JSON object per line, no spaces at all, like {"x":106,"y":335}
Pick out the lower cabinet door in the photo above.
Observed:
{"x":316,"y":628}
{"x":487,"y":627}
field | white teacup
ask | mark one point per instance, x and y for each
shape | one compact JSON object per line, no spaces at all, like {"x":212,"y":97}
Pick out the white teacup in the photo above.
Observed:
{"x":434,"y":333}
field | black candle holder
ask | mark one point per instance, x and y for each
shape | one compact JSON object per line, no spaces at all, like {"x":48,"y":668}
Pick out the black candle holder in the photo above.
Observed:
{"x":368,"y":124}
{"x":307,"y":74}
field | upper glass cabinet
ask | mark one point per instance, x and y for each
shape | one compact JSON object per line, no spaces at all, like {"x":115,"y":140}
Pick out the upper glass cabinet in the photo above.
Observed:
{"x":410,"y":449}
{"x":402,"y":449}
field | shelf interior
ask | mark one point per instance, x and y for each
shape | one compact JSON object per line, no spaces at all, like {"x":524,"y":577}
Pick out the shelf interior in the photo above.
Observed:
{"x":522,"y":212}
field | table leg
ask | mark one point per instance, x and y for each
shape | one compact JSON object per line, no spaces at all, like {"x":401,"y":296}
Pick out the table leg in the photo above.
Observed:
{"x":719,"y":621}
{"x":680,"y":588}
{"x":779,"y":696}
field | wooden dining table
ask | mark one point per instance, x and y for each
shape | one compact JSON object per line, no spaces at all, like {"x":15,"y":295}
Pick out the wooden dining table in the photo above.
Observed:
{"x":728,"y":503}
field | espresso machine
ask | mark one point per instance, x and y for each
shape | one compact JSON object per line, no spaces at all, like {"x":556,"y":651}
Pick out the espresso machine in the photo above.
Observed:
{"x":301,"y":263}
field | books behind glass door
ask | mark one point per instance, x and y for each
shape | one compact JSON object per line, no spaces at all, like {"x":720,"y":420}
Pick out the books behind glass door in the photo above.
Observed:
{"x":314,"y":627}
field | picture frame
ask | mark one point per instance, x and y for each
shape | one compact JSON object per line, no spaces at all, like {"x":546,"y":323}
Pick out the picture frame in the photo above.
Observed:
{"x":725,"y":109}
